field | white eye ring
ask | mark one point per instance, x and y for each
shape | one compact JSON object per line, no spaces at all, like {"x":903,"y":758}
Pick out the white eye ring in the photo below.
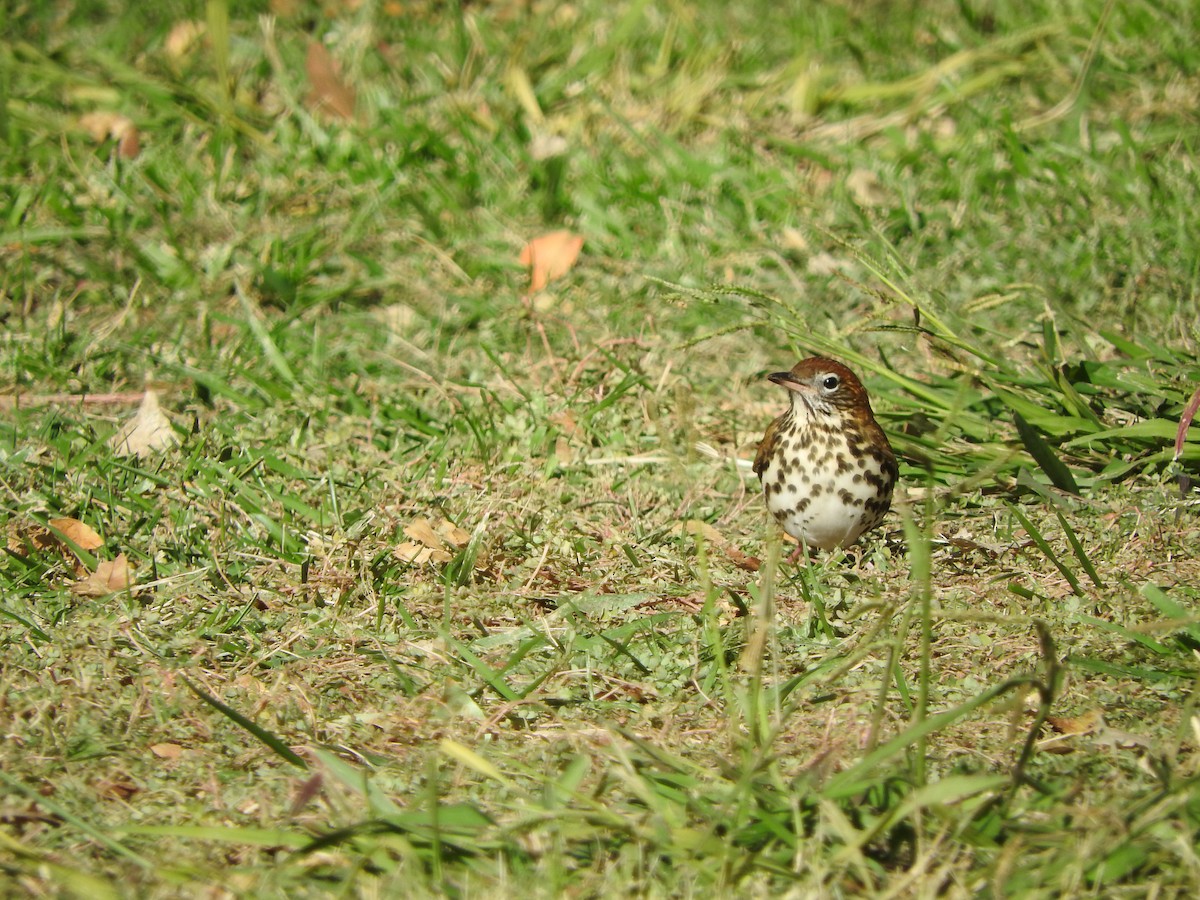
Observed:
{"x":830,"y":382}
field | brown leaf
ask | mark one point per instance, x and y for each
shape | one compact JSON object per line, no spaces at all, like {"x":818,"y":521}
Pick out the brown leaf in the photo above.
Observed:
{"x":183,"y":38}
{"x":550,"y":256}
{"x":566,"y":421}
{"x":129,"y":144}
{"x":421,"y":530}
{"x":105,"y":124}
{"x":419,"y":554}
{"x":110,"y":576}
{"x":742,"y":560}
{"x":866,"y":188}
{"x":330,"y":94}
{"x":21,"y":536}
{"x":1086,"y":723}
{"x":166,"y":751}
{"x":452,"y":534}
{"x":431,"y":543}
{"x":562,"y":451}
{"x":116,"y":789}
{"x":80,"y":534}
{"x":695,"y":526}
{"x":719,"y":541}
{"x":148,"y":432}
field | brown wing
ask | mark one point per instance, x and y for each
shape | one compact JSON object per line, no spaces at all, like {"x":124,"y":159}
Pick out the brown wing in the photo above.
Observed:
{"x":766,"y":446}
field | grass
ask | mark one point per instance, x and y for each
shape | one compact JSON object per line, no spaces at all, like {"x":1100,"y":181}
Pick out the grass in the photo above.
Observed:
{"x":986,"y":211}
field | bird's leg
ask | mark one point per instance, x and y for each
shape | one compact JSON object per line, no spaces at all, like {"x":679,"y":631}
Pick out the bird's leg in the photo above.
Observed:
{"x":800,"y":551}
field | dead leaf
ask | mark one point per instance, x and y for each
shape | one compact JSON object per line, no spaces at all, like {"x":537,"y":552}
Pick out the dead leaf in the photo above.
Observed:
{"x":431,"y":543}
{"x":148,"y":432}
{"x":105,"y":124}
{"x":330,"y":94}
{"x":793,"y":240}
{"x":116,"y":789}
{"x":1088,"y":723}
{"x":720,"y":542}
{"x":742,"y":560}
{"x":419,"y":554}
{"x":129,"y":144}
{"x":421,"y":530}
{"x":166,"y":751}
{"x":452,"y":534}
{"x":565,"y":420}
{"x":866,"y":188}
{"x":21,"y":537}
{"x":83,"y":536}
{"x":183,"y":38}
{"x":562,"y":451}
{"x":695,"y":526}
{"x":110,"y":576}
{"x":550,"y":256}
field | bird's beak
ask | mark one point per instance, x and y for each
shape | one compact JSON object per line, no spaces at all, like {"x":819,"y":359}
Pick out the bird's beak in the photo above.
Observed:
{"x":789,"y":381}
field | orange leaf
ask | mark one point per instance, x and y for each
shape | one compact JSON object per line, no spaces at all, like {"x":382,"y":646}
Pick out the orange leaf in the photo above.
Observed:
{"x":550,"y":256}
{"x":80,"y":534}
{"x":1088,"y":723}
{"x":166,"y":751}
{"x":330,"y":94}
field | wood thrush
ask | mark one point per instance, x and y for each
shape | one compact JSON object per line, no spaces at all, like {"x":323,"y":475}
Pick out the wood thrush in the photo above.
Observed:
{"x":826,"y":467}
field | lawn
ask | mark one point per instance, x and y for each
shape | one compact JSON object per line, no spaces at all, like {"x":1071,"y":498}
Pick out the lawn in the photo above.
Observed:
{"x":379,"y":384}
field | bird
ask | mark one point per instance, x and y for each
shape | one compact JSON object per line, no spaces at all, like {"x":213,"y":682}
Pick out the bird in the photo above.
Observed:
{"x":826,"y":467}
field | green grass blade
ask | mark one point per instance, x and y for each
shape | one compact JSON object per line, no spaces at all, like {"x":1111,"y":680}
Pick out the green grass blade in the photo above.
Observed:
{"x":1044,"y":545}
{"x":1080,"y":553}
{"x":274,"y":742}
{"x":75,"y":821}
{"x":1058,"y":473}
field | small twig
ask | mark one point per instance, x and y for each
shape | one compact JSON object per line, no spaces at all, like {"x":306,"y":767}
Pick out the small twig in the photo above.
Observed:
{"x":1047,"y":688}
{"x":28,"y":401}
{"x":1063,"y":106}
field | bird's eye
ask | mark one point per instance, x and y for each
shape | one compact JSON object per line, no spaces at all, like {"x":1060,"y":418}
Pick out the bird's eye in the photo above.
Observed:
{"x":830,"y":382}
